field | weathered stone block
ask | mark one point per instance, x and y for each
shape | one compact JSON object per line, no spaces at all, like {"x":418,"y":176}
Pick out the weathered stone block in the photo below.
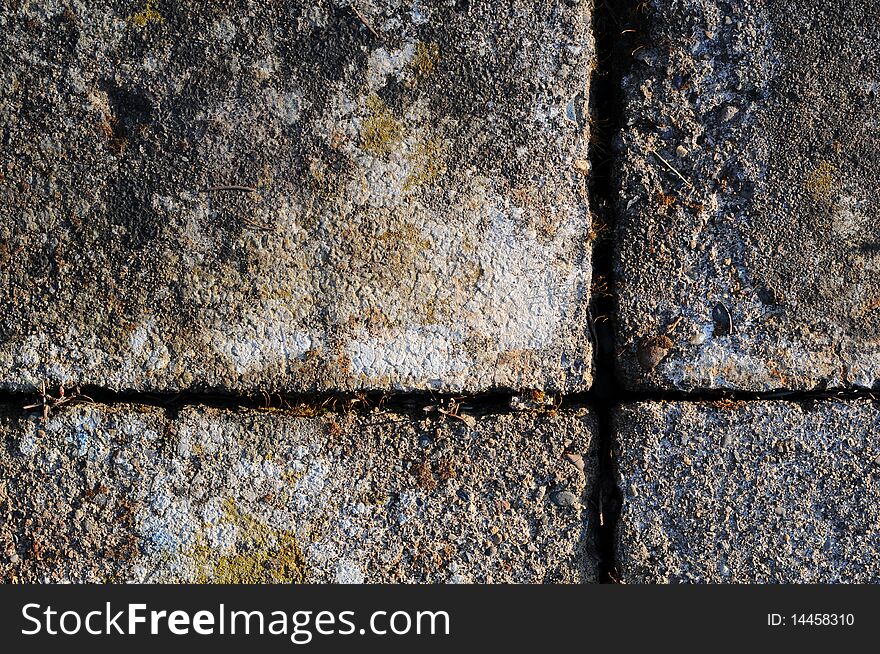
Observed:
{"x":295,"y":196}
{"x":130,"y":493}
{"x":747,"y":253}
{"x":749,"y":492}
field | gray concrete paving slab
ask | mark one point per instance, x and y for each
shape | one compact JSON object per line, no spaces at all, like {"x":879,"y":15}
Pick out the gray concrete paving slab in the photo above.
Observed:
{"x":125,"y":493}
{"x":295,"y":196}
{"x":747,"y":252}
{"x":748,"y":492}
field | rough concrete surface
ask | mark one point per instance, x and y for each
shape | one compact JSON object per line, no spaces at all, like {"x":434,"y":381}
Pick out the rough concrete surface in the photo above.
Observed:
{"x":747,"y":253}
{"x":417,"y":215}
{"x":749,"y":492}
{"x":122,"y":493}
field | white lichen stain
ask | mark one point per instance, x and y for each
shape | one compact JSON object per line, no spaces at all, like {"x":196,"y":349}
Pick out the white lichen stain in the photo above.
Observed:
{"x":848,"y":221}
{"x":723,"y":363}
{"x":348,"y":572}
{"x":419,"y":13}
{"x":147,"y":347}
{"x":431,"y":352}
{"x":287,"y":106}
{"x":382,"y":64}
{"x":224,"y":30}
{"x":525,"y":293}
{"x":269,"y":335}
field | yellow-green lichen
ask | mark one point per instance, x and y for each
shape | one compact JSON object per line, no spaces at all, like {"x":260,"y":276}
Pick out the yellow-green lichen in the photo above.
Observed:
{"x":262,"y":554}
{"x":148,"y":15}
{"x":408,"y":235}
{"x":428,"y":165}
{"x":380,"y":131}
{"x":374,"y":497}
{"x":292,"y":477}
{"x":426,"y":58}
{"x":430,"y":312}
{"x":821,"y":182}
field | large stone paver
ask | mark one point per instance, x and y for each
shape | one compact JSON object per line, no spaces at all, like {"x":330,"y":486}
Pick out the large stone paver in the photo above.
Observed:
{"x":749,"y":492}
{"x":747,"y":252}
{"x":124,"y":493}
{"x":418,"y":217}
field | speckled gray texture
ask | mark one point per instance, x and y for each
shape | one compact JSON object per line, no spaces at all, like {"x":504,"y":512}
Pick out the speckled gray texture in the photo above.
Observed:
{"x":124,"y":493}
{"x":749,"y":492}
{"x":768,"y":111}
{"x":419,"y":214}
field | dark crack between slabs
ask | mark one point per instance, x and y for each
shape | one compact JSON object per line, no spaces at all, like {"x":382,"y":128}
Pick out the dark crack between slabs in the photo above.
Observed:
{"x":612,"y":34}
{"x":411,"y":404}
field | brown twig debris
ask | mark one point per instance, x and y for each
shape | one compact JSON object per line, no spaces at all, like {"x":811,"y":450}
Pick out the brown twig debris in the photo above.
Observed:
{"x":363,"y":19}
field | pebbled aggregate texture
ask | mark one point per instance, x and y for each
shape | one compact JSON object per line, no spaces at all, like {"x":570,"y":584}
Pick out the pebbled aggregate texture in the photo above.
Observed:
{"x":295,"y":196}
{"x":135,"y":494}
{"x":748,"y":492}
{"x":746,"y":254}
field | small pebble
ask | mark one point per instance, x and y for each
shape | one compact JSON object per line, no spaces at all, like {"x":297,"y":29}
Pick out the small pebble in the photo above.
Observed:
{"x":652,"y":351}
{"x":576,"y":460}
{"x":563,"y":498}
